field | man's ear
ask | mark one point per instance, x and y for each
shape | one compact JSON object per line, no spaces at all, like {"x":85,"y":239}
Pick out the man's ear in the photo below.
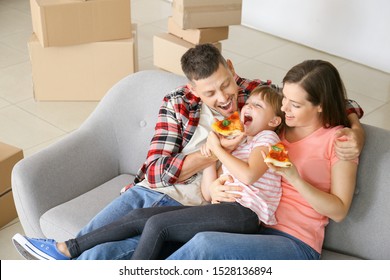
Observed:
{"x":275,"y":121}
{"x":230,"y":66}
{"x":192,"y":87}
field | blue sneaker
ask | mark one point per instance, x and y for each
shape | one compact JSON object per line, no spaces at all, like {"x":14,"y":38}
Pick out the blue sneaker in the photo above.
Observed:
{"x":37,"y":249}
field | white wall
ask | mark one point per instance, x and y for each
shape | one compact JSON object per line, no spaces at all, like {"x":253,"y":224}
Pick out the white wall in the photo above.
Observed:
{"x":358,"y":30}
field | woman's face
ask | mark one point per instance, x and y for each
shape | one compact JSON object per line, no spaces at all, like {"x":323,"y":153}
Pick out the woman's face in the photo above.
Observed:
{"x":299,"y":112}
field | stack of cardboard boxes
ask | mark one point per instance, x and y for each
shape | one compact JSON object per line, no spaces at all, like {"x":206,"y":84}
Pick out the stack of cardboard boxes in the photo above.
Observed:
{"x":9,"y":156}
{"x":80,"y":49}
{"x":194,"y":22}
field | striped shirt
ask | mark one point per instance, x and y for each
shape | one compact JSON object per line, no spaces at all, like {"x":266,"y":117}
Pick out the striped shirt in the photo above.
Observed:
{"x":263,"y":196}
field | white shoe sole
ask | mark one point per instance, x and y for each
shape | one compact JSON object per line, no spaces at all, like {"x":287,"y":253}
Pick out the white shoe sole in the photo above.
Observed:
{"x":28,"y":250}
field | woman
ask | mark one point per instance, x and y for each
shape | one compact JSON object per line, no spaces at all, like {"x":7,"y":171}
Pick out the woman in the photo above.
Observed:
{"x":317,"y":187}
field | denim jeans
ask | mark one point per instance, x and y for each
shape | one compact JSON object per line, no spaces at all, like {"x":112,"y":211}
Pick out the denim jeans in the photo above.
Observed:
{"x":134,"y":198}
{"x":269,"y":244}
{"x":170,"y":223}
{"x":180,"y":224}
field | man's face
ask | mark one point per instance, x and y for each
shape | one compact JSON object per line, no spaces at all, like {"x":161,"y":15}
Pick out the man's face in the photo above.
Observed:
{"x":219,"y":91}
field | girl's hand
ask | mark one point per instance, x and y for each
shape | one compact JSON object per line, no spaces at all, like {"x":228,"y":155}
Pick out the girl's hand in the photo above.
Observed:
{"x":230,"y":144}
{"x":213,"y":141}
{"x":205,"y":151}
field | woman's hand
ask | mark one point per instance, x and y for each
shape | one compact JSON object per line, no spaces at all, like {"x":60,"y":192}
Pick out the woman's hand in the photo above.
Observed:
{"x":290,"y":173}
{"x":220,"y":192}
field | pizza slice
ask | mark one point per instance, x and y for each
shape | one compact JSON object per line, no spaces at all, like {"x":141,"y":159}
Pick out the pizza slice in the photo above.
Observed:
{"x":278,"y":156}
{"x":229,"y":127}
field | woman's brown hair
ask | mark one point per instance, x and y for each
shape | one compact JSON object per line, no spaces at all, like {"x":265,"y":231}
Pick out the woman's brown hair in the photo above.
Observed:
{"x":323,"y":84}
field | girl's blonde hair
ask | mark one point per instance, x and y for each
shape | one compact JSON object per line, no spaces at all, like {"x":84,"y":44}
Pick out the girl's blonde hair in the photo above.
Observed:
{"x":272,"y":96}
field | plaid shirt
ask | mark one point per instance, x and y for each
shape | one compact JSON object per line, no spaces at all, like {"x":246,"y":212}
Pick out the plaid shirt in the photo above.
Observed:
{"x":177,"y":121}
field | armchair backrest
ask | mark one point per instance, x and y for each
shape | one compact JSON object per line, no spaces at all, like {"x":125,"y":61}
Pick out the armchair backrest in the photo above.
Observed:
{"x":129,"y":111}
{"x":365,"y":232}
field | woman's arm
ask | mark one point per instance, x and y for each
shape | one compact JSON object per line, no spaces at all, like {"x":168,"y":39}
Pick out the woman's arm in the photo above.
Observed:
{"x":335,"y":204}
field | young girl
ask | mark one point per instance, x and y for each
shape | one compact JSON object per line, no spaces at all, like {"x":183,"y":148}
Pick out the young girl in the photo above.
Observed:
{"x":256,"y":202}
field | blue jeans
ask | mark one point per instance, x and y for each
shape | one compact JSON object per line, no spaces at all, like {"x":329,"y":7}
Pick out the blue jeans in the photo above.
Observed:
{"x":134,"y":198}
{"x":269,"y":244}
{"x":160,"y":225}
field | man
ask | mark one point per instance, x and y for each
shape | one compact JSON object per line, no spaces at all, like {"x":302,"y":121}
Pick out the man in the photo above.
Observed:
{"x":172,"y":171}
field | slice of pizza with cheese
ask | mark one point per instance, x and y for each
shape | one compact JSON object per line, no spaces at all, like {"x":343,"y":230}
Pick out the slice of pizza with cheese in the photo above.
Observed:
{"x":229,"y":127}
{"x":278,"y":156}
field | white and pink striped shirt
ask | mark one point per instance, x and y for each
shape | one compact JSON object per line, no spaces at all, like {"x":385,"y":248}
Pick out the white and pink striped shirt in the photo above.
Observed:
{"x":263,"y":196}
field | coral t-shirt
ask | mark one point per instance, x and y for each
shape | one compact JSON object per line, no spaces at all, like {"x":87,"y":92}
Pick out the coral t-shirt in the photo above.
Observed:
{"x":313,"y":157}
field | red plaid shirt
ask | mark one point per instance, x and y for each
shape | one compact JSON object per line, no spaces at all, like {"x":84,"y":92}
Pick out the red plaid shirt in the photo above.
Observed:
{"x":177,"y":121}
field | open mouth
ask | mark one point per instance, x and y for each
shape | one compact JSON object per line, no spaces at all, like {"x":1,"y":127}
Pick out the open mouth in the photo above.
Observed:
{"x":226,"y":106}
{"x":247,"y":119}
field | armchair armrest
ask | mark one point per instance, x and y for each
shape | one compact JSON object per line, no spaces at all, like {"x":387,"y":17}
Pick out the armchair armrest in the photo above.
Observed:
{"x":74,"y":165}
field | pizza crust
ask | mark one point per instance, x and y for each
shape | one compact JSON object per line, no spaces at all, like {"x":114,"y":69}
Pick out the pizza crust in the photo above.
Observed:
{"x":278,"y":163}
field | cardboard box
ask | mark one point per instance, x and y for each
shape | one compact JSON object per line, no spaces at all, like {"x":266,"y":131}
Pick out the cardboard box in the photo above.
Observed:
{"x":9,"y":156}
{"x":72,"y":22}
{"x":191,"y":14}
{"x":82,"y":72}
{"x":7,"y":208}
{"x":168,"y":50}
{"x":200,"y":35}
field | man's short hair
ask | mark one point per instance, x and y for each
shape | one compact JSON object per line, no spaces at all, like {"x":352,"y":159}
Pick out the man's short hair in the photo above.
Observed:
{"x":201,"y":61}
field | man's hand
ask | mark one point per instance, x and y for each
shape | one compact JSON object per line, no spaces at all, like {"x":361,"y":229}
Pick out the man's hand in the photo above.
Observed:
{"x":220,"y":192}
{"x":349,"y":143}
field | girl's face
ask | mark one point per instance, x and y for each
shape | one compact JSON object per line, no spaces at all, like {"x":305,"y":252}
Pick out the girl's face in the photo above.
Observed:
{"x":299,"y":112}
{"x":258,"y":115}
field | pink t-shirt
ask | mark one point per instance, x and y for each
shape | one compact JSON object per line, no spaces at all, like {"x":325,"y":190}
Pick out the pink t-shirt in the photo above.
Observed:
{"x":313,"y":156}
{"x":263,"y":196}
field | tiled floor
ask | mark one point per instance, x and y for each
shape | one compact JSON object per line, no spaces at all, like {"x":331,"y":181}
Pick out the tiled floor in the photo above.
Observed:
{"x":33,"y":125}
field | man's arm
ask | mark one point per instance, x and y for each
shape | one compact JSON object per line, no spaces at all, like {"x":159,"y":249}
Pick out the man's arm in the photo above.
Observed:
{"x":166,"y":164}
{"x":194,"y":163}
